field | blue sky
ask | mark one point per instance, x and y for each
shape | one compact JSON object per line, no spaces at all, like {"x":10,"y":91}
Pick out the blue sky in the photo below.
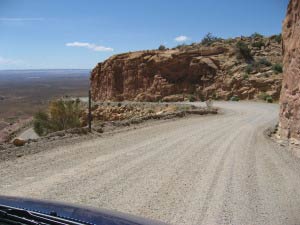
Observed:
{"x":48,"y":34}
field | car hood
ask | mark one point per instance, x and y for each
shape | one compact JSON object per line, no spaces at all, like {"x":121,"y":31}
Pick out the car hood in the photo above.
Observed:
{"x":75,"y":212}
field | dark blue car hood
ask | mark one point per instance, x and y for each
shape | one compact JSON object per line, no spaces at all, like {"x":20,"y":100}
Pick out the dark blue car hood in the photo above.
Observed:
{"x":75,"y":212}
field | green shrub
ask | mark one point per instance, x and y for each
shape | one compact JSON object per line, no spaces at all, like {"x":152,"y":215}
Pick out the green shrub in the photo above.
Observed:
{"x":202,"y":98}
{"x":278,"y":38}
{"x":150,"y":111}
{"x":277,"y":68}
{"x":162,"y":48}
{"x":256,"y":35}
{"x":246,"y":76}
{"x":192,"y":98}
{"x":41,"y":124}
{"x":266,"y":75}
{"x":249,"y":68}
{"x":215,"y":96}
{"x":234,"y":98}
{"x":229,"y":41}
{"x":61,"y":115}
{"x":263,"y":96}
{"x":258,"y":44}
{"x":209,"y":39}
{"x":269,"y":99}
{"x":264,"y":61}
{"x":244,"y":51}
{"x":181,"y":46}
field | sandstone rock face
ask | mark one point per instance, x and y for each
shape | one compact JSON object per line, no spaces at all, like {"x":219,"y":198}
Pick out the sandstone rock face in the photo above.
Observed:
{"x":289,"y":126}
{"x":202,"y":71}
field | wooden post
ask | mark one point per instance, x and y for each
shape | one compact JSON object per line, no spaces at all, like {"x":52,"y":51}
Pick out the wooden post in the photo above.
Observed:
{"x":90,"y":112}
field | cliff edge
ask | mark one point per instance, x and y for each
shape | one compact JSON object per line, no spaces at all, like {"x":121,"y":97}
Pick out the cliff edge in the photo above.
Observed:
{"x":243,"y":67}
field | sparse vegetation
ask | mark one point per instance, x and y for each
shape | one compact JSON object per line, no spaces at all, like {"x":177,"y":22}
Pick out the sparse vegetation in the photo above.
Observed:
{"x":269,"y":99}
{"x":61,"y":115}
{"x":265,"y":97}
{"x":244,"y":51}
{"x":245,"y":76}
{"x":162,"y":48}
{"x":256,"y":35}
{"x":181,"y":46}
{"x":234,"y":98}
{"x":192,"y":98}
{"x":264,"y":61}
{"x":41,"y":123}
{"x":258,"y":44}
{"x":277,"y":68}
{"x":215,"y":96}
{"x":249,"y":68}
{"x":257,"y":65}
{"x":209,"y":39}
{"x":278,"y":38}
{"x":229,"y":41}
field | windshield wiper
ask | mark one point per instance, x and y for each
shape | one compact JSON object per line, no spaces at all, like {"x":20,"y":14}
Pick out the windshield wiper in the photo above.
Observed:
{"x":22,"y":216}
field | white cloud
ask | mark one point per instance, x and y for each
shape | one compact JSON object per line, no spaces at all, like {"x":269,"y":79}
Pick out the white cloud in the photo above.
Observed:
{"x":5,"y":61}
{"x":97,"y":48}
{"x":19,"y":19}
{"x":181,"y":38}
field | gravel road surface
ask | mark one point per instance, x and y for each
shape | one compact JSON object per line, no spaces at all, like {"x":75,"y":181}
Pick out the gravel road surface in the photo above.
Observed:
{"x":199,"y":170}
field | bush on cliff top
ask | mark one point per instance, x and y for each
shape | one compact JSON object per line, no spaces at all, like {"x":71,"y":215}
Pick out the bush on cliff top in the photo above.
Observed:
{"x":162,"y":48}
{"x":209,"y":39}
{"x":256,"y":35}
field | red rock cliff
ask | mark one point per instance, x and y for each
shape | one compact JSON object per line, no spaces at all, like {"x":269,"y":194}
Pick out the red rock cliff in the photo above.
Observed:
{"x":196,"y":70}
{"x":289,"y":126}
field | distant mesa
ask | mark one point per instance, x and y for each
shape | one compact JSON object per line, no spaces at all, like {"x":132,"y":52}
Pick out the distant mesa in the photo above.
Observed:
{"x":33,"y":77}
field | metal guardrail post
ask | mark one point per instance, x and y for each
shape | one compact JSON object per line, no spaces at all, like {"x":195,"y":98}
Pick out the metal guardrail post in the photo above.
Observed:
{"x":90,"y":112}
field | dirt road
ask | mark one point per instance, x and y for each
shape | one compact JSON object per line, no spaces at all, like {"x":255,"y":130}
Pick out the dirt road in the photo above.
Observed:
{"x":199,"y":170}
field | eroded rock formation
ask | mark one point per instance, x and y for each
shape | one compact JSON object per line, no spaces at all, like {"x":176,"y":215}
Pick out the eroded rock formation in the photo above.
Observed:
{"x":289,"y":126}
{"x":195,"y":70}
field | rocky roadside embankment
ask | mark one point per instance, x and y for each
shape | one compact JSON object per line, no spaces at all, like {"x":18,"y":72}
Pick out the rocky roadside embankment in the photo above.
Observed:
{"x":108,"y":118}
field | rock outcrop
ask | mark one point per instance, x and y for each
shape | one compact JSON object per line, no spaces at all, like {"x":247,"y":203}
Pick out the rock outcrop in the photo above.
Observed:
{"x":196,"y":70}
{"x":289,"y":126}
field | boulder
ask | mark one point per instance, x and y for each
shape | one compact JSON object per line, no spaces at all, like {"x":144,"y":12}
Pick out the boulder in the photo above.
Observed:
{"x":19,"y":142}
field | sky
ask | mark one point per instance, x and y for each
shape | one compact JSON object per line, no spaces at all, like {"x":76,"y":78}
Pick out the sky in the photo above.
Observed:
{"x":57,"y":34}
